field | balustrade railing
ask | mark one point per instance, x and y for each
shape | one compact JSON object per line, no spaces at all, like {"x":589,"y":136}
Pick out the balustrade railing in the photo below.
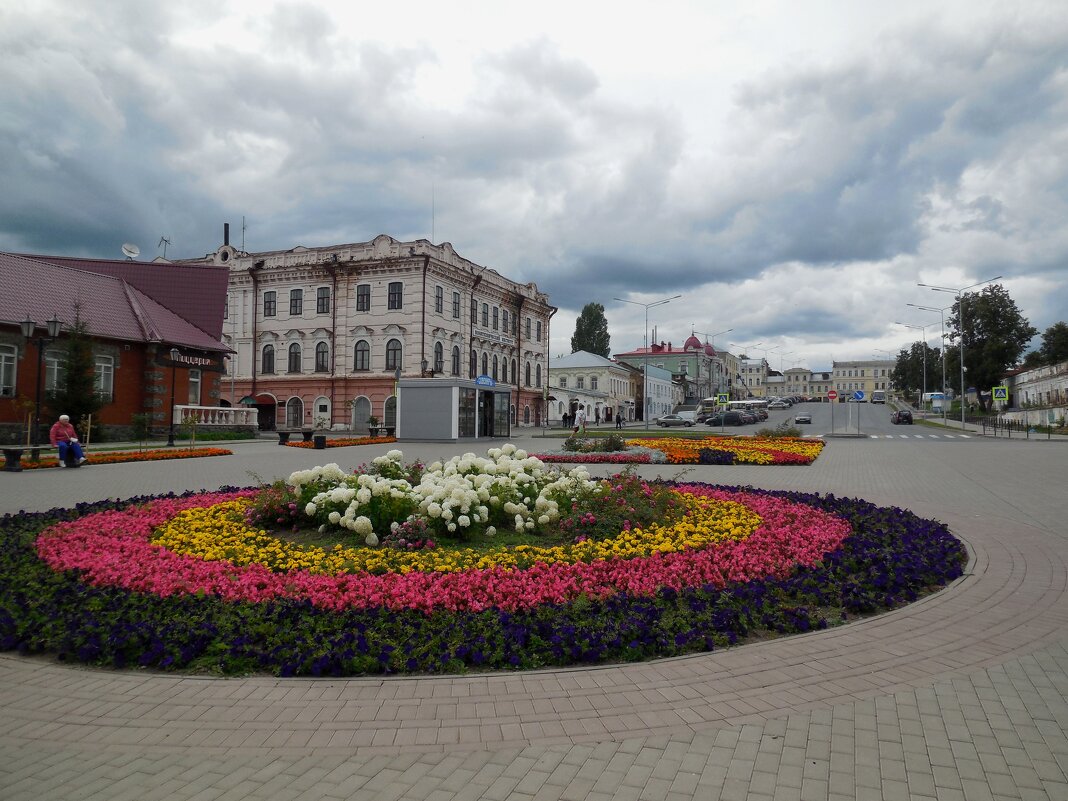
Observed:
{"x":217,"y":415}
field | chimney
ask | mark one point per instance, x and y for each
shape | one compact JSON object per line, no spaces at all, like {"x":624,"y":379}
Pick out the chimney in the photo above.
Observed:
{"x":226,"y":233}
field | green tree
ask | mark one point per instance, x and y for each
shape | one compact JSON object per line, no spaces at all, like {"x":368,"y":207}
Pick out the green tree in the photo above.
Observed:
{"x":1054,"y":348}
{"x":591,"y":331}
{"x":76,"y":393}
{"x":908,"y":373}
{"x":994,"y":334}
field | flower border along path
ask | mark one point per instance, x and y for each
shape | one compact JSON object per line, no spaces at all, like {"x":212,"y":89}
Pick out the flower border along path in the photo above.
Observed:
{"x":94,"y":589}
{"x":345,"y":442}
{"x":706,"y":450}
{"x":121,"y":457}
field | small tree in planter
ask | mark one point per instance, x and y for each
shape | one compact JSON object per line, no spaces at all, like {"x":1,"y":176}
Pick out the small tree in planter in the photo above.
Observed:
{"x":141,"y":427}
{"x":372,"y":425}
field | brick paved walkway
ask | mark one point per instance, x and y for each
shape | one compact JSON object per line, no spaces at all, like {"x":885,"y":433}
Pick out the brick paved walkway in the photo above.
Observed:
{"x":962,"y":695}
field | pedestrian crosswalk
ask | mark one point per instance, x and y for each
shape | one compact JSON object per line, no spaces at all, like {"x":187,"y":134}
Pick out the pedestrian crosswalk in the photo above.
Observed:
{"x":920,"y":436}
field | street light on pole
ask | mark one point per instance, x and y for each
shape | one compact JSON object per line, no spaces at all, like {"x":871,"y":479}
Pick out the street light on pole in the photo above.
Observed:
{"x":960,"y":301}
{"x":175,"y":353}
{"x":942,"y":315}
{"x":29,"y":326}
{"x":923,"y":331}
{"x":645,"y":388}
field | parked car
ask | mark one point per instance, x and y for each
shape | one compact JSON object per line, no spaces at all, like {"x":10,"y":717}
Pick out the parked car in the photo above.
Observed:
{"x":749,"y":417}
{"x":725,"y":419}
{"x":804,"y":417}
{"x":673,"y":420}
{"x":901,"y":416}
{"x":778,"y":404}
{"x":762,"y":414}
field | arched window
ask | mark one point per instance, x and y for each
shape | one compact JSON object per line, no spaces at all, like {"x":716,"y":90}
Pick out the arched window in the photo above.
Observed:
{"x":456,"y":360}
{"x":474,"y":363}
{"x":515,"y":372}
{"x":294,"y":358}
{"x":267,"y":360}
{"x":439,"y":358}
{"x":361,"y":412}
{"x":494,"y":368}
{"x":389,"y":411}
{"x":363,"y":357}
{"x":527,"y":374}
{"x":322,"y":357}
{"x":393,"y":354}
{"x":537,"y":376}
{"x":526,"y":415}
{"x":485,"y":363}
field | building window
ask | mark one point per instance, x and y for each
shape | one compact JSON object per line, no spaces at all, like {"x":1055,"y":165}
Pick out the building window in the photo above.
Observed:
{"x":580,"y":382}
{"x":393,"y":354}
{"x":104,"y":377}
{"x":527,"y":332}
{"x":267,"y":360}
{"x":496,"y":317}
{"x":226,"y":308}
{"x":55,"y":372}
{"x":515,"y":368}
{"x":563,"y":382}
{"x":296,"y":301}
{"x":485,"y":364}
{"x":322,"y":300}
{"x":194,"y":386}
{"x":485,"y":315}
{"x":527,"y":372}
{"x":456,"y":305}
{"x":270,"y":300}
{"x":504,"y":320}
{"x":474,"y":311}
{"x":363,"y":297}
{"x":495,"y":368}
{"x":294,"y":358}
{"x":439,"y":299}
{"x":396,"y":295}
{"x":537,"y":375}
{"x":538,"y":329}
{"x":439,"y":358}
{"x":322,"y":357}
{"x":593,"y":382}
{"x":456,"y":360}
{"x":474,"y":363}
{"x":8,"y":360}
{"x":363,"y":356}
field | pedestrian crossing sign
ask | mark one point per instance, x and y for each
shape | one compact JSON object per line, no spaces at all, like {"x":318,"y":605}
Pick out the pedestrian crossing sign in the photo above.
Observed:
{"x":1001,"y":393}
{"x":723,"y":398}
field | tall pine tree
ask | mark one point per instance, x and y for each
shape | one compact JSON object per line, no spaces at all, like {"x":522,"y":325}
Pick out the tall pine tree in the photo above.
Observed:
{"x":75,"y":393}
{"x":591,"y":331}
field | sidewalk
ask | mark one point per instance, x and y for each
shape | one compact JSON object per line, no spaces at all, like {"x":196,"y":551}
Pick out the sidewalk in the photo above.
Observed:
{"x":960,"y":696}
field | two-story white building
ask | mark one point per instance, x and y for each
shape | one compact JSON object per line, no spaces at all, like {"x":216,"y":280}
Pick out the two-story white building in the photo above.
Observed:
{"x":604,"y":389}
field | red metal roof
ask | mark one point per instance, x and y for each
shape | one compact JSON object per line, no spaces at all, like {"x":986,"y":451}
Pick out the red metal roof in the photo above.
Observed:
{"x":110,"y":307}
{"x":196,"y":293}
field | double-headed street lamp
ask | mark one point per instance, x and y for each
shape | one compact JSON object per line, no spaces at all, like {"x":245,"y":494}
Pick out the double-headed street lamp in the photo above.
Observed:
{"x":175,"y":353}
{"x":942,"y":315}
{"x":645,"y":389}
{"x":923,"y":331}
{"x":29,"y":326}
{"x":960,"y":301}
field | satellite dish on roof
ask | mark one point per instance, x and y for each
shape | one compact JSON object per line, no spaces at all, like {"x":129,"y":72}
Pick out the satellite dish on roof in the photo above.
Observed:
{"x":130,"y":251}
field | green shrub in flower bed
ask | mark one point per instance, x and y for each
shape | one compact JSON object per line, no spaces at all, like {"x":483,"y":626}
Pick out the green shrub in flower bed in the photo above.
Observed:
{"x":891,"y":558}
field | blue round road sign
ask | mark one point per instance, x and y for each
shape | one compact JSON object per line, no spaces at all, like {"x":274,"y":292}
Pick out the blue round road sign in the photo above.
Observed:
{"x":858,"y":395}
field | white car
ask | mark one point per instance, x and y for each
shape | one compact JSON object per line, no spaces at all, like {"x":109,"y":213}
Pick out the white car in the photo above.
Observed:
{"x":778,"y":404}
{"x":804,"y":417}
{"x":673,"y":420}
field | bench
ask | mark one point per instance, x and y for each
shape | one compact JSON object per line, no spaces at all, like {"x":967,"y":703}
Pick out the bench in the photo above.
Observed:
{"x":284,"y":435}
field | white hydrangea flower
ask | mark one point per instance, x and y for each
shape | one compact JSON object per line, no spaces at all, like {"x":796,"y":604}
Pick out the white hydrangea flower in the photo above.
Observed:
{"x":334,"y":517}
{"x":464,"y":521}
{"x":311,"y":509}
{"x":371,"y":540}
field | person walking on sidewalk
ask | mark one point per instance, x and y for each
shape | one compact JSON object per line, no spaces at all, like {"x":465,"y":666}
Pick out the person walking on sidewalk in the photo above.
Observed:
{"x":64,"y":437}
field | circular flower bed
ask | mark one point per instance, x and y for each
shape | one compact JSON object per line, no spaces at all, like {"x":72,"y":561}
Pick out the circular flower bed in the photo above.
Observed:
{"x":187,"y":583}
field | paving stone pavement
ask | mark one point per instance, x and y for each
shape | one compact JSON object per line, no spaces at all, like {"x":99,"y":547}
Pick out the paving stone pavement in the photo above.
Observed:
{"x":962,"y":695}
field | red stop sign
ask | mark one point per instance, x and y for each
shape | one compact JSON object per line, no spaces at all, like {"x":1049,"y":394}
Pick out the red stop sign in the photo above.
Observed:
{"x":832,"y":394}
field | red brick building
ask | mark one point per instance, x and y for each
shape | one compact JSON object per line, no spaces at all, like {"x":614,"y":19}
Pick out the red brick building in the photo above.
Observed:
{"x":135,"y":312}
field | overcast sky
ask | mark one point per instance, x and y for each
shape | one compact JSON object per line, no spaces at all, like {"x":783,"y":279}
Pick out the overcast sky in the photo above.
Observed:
{"x":792,"y":169}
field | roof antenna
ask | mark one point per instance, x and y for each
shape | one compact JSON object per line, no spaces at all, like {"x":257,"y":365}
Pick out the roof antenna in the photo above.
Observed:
{"x":242,"y":233}
{"x":130,"y":250}
{"x":163,"y":241}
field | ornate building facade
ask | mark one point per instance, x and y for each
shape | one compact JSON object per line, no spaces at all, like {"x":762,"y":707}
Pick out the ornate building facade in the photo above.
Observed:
{"x":321,"y":336}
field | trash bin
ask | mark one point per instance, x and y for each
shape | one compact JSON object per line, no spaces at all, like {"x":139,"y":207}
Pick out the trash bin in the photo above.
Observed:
{"x":13,"y":460}
{"x":320,"y":441}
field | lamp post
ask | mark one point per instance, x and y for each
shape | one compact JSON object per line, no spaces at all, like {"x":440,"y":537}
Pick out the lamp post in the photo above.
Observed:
{"x":645,"y":389}
{"x":175,"y":353}
{"x":396,"y":396}
{"x":923,"y":331}
{"x":29,"y":326}
{"x":942,"y":315}
{"x":960,"y":300}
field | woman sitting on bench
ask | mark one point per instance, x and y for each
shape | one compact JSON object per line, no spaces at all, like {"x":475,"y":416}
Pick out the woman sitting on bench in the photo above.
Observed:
{"x":64,"y":437}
